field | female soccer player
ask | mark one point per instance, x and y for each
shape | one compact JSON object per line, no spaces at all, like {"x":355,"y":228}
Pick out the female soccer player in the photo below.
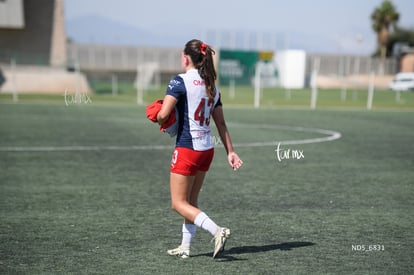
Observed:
{"x":196,"y":98}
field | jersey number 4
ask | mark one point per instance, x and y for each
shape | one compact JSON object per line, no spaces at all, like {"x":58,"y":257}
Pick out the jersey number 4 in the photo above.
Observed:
{"x":200,"y":113}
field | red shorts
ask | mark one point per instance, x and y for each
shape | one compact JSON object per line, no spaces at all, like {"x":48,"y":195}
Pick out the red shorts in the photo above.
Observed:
{"x":188,"y":162}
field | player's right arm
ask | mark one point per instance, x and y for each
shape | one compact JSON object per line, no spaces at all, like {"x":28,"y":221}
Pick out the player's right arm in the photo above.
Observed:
{"x":168,"y":105}
{"x":175,"y":89}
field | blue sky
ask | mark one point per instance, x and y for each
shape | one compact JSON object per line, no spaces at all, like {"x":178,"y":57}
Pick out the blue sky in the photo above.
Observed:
{"x":330,"y":26}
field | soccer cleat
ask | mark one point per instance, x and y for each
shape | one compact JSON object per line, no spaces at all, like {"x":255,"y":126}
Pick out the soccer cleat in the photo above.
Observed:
{"x":220,"y":240}
{"x":180,"y":252}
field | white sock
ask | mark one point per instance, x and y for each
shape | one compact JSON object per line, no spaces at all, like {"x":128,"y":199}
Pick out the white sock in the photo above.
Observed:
{"x":189,"y":231}
{"x":203,"y":221}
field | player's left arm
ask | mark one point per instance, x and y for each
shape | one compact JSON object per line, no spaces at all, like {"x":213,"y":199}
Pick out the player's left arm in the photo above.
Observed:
{"x":233,"y":159}
{"x":168,"y":105}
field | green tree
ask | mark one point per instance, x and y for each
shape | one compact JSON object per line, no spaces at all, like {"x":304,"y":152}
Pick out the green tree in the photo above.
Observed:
{"x":400,"y":35}
{"x":383,"y":18}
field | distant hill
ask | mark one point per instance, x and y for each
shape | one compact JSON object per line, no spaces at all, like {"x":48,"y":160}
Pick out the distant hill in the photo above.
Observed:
{"x":100,"y":30}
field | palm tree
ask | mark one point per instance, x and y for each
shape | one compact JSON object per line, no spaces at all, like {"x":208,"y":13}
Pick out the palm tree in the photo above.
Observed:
{"x":382,"y":18}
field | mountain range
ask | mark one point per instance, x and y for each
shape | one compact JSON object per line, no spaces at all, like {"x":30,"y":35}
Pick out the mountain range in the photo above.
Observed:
{"x":100,"y":30}
{"x":93,"y":29}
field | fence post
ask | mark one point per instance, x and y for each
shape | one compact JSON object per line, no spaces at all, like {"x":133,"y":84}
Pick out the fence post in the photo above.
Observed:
{"x":78,"y":77}
{"x":314,"y":83}
{"x":397,"y":96}
{"x":13,"y":70}
{"x":114,"y":84}
{"x":257,"y":86}
{"x":371,"y":91}
{"x":232,"y":90}
{"x":140,"y":85}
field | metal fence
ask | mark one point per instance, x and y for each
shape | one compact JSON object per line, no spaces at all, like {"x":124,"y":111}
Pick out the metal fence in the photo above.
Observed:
{"x":126,"y":59}
{"x":350,"y":65}
{"x":123,"y":58}
{"x":105,"y":65}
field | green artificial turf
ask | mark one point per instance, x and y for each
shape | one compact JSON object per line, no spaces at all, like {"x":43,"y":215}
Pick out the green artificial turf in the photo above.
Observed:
{"x":83,"y":191}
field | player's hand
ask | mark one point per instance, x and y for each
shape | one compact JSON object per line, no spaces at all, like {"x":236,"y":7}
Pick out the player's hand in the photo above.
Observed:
{"x":234,"y":161}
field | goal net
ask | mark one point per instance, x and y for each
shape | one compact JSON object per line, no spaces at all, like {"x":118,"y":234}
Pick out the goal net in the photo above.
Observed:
{"x":148,"y":77}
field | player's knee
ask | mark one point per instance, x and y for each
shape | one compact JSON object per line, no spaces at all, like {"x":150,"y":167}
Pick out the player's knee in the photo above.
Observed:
{"x":176,"y":205}
{"x":173,"y":206}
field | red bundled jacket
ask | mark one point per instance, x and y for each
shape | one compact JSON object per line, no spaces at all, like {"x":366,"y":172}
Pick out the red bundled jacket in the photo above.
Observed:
{"x":152,"y":111}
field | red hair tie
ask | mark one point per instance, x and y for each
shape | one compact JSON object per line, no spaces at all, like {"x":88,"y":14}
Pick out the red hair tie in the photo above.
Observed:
{"x":203,"y":48}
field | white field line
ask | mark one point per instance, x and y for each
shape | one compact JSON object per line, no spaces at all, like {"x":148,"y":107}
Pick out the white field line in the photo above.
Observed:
{"x":329,"y":136}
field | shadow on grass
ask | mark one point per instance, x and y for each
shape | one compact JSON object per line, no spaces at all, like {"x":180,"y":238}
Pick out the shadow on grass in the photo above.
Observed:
{"x":227,"y":254}
{"x":264,"y":248}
